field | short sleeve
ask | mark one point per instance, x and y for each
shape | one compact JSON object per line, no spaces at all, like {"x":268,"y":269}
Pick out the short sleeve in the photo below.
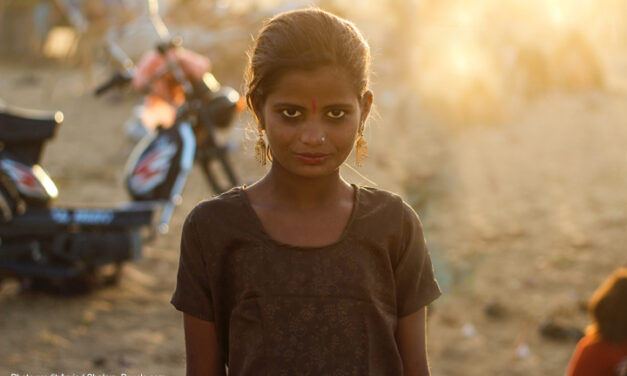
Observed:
{"x":588,"y":359}
{"x":192,"y":294}
{"x":416,"y":285}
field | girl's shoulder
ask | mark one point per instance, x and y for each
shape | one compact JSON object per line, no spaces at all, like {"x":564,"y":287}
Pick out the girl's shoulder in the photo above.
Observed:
{"x":224,"y":209}
{"x":383,"y":200}
{"x":384,"y":207}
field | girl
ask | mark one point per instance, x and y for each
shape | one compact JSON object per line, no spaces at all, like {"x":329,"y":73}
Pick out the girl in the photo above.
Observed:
{"x":603,"y":350}
{"x":302,"y":273}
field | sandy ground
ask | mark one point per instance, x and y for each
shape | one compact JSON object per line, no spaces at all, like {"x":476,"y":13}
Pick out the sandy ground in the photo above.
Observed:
{"x":523,"y":220}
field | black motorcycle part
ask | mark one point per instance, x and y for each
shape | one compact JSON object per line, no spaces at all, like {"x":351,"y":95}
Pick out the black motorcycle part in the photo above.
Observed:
{"x":99,"y":248}
{"x":11,"y":204}
{"x":211,"y":158}
{"x":117,"y":80}
{"x":221,"y":109}
{"x":70,"y":263}
{"x":66,"y":243}
{"x":23,"y":133}
{"x":73,"y":282}
{"x":40,"y":222}
{"x":69,"y":250}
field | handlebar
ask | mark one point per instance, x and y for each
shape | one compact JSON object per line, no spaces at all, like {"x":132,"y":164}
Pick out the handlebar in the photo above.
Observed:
{"x":117,"y":80}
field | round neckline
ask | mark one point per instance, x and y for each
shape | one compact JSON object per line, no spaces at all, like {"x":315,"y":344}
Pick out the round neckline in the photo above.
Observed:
{"x":257,"y":221}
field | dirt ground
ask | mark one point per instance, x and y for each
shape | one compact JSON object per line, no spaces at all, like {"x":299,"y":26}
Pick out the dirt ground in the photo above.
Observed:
{"x":523,"y":220}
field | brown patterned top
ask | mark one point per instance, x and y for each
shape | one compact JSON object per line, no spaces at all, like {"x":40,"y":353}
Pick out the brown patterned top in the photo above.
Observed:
{"x":288,"y":310}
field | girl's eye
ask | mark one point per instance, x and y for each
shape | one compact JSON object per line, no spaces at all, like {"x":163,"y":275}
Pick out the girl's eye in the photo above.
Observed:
{"x":291,"y":113}
{"x":336,"y":114}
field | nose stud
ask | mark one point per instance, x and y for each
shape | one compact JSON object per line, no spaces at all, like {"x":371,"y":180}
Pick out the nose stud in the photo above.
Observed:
{"x":322,"y":138}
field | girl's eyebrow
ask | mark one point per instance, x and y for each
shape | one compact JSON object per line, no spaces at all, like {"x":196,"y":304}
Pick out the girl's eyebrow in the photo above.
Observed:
{"x":299,"y":107}
{"x":287,"y":104}
{"x":342,"y":105}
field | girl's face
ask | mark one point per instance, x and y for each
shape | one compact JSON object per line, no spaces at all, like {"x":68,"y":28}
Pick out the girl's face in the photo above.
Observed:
{"x":311,"y":119}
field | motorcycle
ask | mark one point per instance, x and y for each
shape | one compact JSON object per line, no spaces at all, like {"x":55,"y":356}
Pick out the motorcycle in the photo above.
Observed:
{"x":66,"y":247}
{"x":73,"y":248}
{"x":178,"y":84}
{"x":203,"y":102}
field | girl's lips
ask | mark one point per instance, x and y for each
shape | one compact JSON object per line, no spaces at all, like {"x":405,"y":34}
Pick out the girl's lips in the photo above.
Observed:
{"x":312,"y":158}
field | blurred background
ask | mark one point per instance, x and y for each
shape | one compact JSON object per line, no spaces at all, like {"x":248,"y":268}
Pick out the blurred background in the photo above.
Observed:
{"x":504,"y":123}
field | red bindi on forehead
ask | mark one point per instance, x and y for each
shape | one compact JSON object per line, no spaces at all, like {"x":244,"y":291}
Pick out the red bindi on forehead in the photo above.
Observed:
{"x":313,"y":105}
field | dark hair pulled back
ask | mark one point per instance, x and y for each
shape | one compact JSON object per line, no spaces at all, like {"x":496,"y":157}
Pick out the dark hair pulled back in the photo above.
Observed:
{"x":305,"y":39}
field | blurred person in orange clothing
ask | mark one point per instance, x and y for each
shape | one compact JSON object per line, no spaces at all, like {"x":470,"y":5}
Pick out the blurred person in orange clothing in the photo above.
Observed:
{"x":155,"y":74}
{"x":603,"y":350}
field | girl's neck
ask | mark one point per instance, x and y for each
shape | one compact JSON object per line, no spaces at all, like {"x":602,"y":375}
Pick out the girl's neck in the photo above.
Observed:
{"x":281,"y":188}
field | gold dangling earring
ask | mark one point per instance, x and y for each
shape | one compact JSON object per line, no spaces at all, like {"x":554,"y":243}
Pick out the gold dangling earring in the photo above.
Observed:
{"x":261,"y":152}
{"x":361,"y":149}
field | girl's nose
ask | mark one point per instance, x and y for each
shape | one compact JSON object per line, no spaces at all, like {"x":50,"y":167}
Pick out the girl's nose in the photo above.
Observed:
{"x":312,"y":134}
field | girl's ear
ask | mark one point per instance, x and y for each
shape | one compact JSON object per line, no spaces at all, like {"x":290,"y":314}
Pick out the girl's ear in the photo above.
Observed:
{"x":365,"y":105}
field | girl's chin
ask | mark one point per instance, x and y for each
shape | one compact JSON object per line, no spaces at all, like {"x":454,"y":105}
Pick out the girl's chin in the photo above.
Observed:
{"x":310,"y":171}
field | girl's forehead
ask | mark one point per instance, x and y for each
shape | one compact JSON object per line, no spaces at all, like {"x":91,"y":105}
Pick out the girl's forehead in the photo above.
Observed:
{"x":322,"y":84}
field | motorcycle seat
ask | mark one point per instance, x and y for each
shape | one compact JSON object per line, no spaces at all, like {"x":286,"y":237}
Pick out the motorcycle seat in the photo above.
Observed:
{"x":18,"y":125}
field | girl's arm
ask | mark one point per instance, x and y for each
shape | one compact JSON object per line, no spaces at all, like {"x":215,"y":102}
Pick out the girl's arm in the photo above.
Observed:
{"x":201,"y":346}
{"x":412,"y":343}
